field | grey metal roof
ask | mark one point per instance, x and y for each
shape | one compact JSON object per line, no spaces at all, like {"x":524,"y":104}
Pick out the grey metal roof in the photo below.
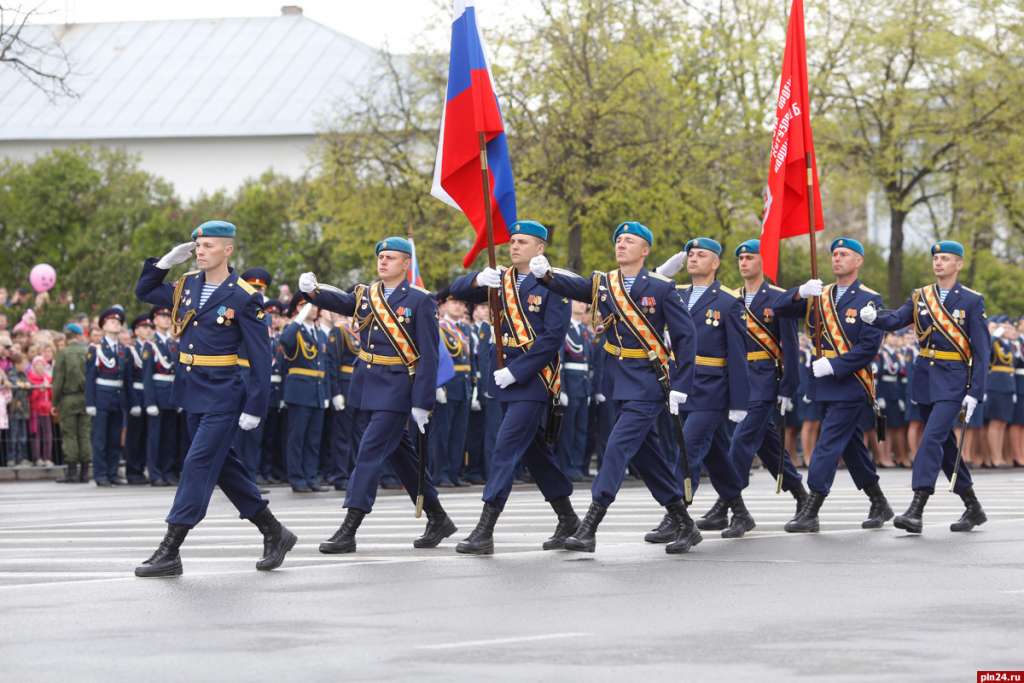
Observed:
{"x":188,"y":78}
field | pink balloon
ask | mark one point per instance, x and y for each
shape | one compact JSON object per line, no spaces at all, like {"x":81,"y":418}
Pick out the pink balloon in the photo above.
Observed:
{"x":43,"y":277}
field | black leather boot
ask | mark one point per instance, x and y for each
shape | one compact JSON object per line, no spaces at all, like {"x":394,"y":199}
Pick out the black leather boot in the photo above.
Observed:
{"x":911,"y":520}
{"x":799,"y":495}
{"x":481,"y":539}
{"x":568,"y":523}
{"x":806,"y":521}
{"x":70,"y":474}
{"x":716,"y":518}
{"x":742,"y":521}
{"x":665,"y":532}
{"x":277,"y":540}
{"x":973,"y":516}
{"x":344,"y":539}
{"x":165,"y":561}
{"x":439,"y":526}
{"x":688,"y":536}
{"x":585,"y":538}
{"x":880,"y":512}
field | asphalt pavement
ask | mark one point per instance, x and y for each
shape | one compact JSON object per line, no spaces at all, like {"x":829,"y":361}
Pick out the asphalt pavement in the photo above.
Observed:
{"x":845,"y":604}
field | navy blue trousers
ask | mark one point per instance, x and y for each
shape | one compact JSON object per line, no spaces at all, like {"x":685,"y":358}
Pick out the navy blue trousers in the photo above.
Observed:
{"x":447,"y":438}
{"x":136,"y":439}
{"x":162,"y":444}
{"x":341,"y":446}
{"x":383,"y":436}
{"x":303,"y":444}
{"x":635,"y":440}
{"x":211,"y":461}
{"x":572,"y":442}
{"x":841,"y":437}
{"x":938,"y":448}
{"x":521,"y":438}
{"x":272,"y":458}
{"x":249,"y":447}
{"x":707,"y":445}
{"x":758,"y":432}
{"x":106,"y":444}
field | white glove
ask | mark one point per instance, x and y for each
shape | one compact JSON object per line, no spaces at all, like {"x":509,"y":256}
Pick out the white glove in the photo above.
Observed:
{"x":338,"y":402}
{"x":307,"y":282}
{"x":810,"y":288}
{"x":327,"y":403}
{"x":474,"y":402}
{"x":180,"y":254}
{"x":303,"y":314}
{"x":969,"y":404}
{"x":488,"y":277}
{"x":675,"y":399}
{"x":600,"y":398}
{"x":903,"y":406}
{"x":152,"y":411}
{"x":421,"y":418}
{"x":282,"y":405}
{"x":563,"y":399}
{"x":785,"y":404}
{"x":247,"y":422}
{"x":673,"y":265}
{"x":822,"y":368}
{"x":540,"y":266}
{"x":135,"y":411}
{"x":806,"y":399}
{"x":504,"y":378}
{"x":881,"y":403}
{"x":90,"y":411}
{"x":868,"y":314}
{"x":440,"y":395}
{"x":737,"y":416}
{"x":998,"y":332}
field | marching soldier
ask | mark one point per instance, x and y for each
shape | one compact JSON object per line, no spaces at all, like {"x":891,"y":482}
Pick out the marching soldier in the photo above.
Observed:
{"x":108,"y":377}
{"x":451,"y":417}
{"x":272,"y":465}
{"x":343,"y":347}
{"x":395,"y":376}
{"x":841,"y":382}
{"x":950,"y":322}
{"x":163,"y":437}
{"x":305,"y":393}
{"x":532,"y":331}
{"x":771,"y":362}
{"x":144,"y":415}
{"x":575,"y":355}
{"x":69,"y":399}
{"x":634,"y":307}
{"x":215,"y":313}
{"x":248,"y":443}
{"x":720,"y":389}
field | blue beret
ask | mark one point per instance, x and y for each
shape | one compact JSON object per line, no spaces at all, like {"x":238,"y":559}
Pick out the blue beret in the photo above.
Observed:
{"x":749,"y":247}
{"x":141,"y":320}
{"x":73,"y":328}
{"x":948,"y":247}
{"x":394,"y":244}
{"x":258,"y":277}
{"x":847,"y":243}
{"x":634,"y":228}
{"x":112,"y":312}
{"x":704,"y":243}
{"x":529,"y":228}
{"x":214,"y":229}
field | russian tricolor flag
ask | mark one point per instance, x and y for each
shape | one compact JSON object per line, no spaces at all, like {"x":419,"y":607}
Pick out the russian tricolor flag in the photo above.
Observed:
{"x":471,"y":107}
{"x":413,"y":276}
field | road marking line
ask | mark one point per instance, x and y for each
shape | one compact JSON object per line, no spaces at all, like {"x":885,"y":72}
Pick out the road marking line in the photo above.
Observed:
{"x":502,"y":641}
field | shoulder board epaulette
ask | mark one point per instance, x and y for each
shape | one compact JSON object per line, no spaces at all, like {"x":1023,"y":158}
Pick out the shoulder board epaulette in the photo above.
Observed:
{"x":565,"y":271}
{"x":659,"y":276}
{"x":734,"y":293}
{"x":419,"y":289}
{"x":972,"y":291}
{"x":682,"y":286}
{"x":776,"y":288}
{"x":246,"y":287}
{"x":187,"y":275}
{"x":865,"y":288}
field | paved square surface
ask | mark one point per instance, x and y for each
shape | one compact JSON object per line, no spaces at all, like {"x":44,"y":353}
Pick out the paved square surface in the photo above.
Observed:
{"x":845,"y":604}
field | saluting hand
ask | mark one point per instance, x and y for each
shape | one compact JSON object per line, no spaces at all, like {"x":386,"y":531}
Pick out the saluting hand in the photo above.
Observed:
{"x":180,"y":254}
{"x":673,"y":265}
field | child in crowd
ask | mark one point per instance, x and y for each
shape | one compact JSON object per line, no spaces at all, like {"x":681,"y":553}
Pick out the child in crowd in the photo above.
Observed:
{"x":18,"y":411}
{"x":41,"y":412}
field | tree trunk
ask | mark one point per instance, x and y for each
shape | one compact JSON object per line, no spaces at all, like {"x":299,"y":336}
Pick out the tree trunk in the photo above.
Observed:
{"x":896,"y":219}
{"x":575,"y":248}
